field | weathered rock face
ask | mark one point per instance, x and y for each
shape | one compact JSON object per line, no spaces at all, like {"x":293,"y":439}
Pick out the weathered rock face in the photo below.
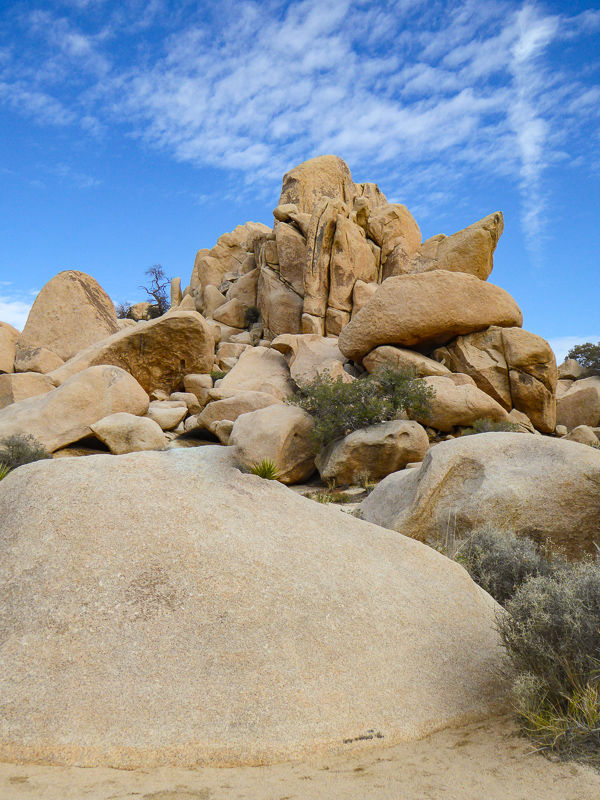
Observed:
{"x":470,"y":250}
{"x":279,"y":433}
{"x":395,"y":231}
{"x":427,"y":310}
{"x":351,"y":260}
{"x":230,"y":408}
{"x":274,"y":588}
{"x":515,"y":367}
{"x":36,"y":359}
{"x":280,"y":305}
{"x":71,"y":312}
{"x":459,"y":404}
{"x":388,"y":356}
{"x":158,"y":353}
{"x":548,"y":489}
{"x":310,"y":354}
{"x":8,"y":338}
{"x":375,"y":451}
{"x":261,"y":370}
{"x":15,"y":387}
{"x":324,"y":176}
{"x":126,"y":433}
{"x":228,"y":255}
{"x":571,"y":370}
{"x":580,"y":405}
{"x":65,"y":414}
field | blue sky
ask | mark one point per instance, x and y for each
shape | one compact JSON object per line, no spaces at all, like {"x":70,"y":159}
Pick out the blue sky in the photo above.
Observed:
{"x":134,"y":133}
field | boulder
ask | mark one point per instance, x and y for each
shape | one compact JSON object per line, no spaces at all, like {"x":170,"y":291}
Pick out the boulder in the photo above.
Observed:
{"x":176,"y":295}
{"x":71,"y":312}
{"x":427,"y":310}
{"x":139,"y":311}
{"x":470,"y":251}
{"x":8,"y":338}
{"x":311,"y":352}
{"x":230,"y":408}
{"x":36,"y":359}
{"x":584,"y":435}
{"x":280,"y":433}
{"x":244,"y":290}
{"x":280,"y":305}
{"x":291,"y":253}
{"x":361,"y":294}
{"x":571,"y":370}
{"x":126,"y":433}
{"x":515,"y":367}
{"x":261,"y":369}
{"x":212,"y":300}
{"x":374,"y":451}
{"x":351,"y":260}
{"x":16,"y":387}
{"x":324,"y":176}
{"x":190,"y":400}
{"x":269,"y":626}
{"x":64,"y":415}
{"x":459,"y":405}
{"x":562,"y":387}
{"x":395,"y":231}
{"x":228,"y":255}
{"x":167,"y":414}
{"x":580,"y":405}
{"x":157,"y":353}
{"x":231,"y":313}
{"x":536,"y":486}
{"x":388,"y":356}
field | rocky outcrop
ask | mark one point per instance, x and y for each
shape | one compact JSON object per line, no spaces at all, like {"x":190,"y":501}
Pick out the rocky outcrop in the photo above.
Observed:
{"x":168,"y":564}
{"x":65,"y":414}
{"x":126,"y":433}
{"x":324,"y":176}
{"x":536,"y":486}
{"x":71,"y":312}
{"x":373,"y":452}
{"x":515,"y":367}
{"x":426,"y":311}
{"x":228,"y":255}
{"x":158,"y":353}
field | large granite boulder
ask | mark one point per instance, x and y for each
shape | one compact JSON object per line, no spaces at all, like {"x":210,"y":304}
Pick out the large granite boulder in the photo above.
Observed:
{"x":324,"y":176}
{"x":427,"y":311}
{"x":126,"y":433}
{"x":395,"y":231}
{"x":373,"y":452}
{"x":19,"y":386}
{"x":580,"y":404}
{"x":228,"y":255}
{"x":399,"y":357}
{"x":178,"y":612}
{"x":261,"y":369}
{"x":515,"y":367}
{"x":459,"y":404}
{"x":8,"y":339}
{"x":71,"y":312}
{"x":65,"y":414}
{"x":158,"y":353}
{"x":548,"y":489}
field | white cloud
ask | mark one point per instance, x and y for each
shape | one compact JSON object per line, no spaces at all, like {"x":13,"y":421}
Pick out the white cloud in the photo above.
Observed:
{"x":563,"y":344}
{"x":14,"y":309}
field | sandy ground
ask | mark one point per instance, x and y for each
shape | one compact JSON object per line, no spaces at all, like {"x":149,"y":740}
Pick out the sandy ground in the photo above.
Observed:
{"x":483,"y":761}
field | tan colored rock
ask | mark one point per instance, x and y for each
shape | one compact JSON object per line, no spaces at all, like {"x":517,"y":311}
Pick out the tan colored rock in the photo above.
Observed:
{"x":371,"y":193}
{"x":187,"y":303}
{"x":284,"y":590}
{"x":351,"y":260}
{"x":190,"y":400}
{"x":470,"y":251}
{"x":459,"y":405}
{"x":71,"y":312}
{"x":231,"y":314}
{"x":580,"y":405}
{"x":537,"y":486}
{"x":280,"y":433}
{"x":195,"y":281}
{"x":393,"y":228}
{"x":244,"y":290}
{"x":64,"y":415}
{"x":309,"y":353}
{"x":283,"y":212}
{"x":292,"y":256}
{"x":8,"y":338}
{"x":17,"y":387}
{"x":312,"y":324}
{"x":222,"y":431}
{"x":126,"y":433}
{"x":427,"y":310}
{"x":319,"y":244}
{"x":139,"y":311}
{"x":230,"y":350}
{"x":176,"y":296}
{"x":230,"y":408}
{"x":125,"y":323}
{"x":157,"y":353}
{"x":561,"y":430}
{"x":36,"y":359}
{"x":361,"y":294}
{"x":261,"y":369}
{"x":335,"y":320}
{"x":212,"y":299}
{"x":375,"y":451}
{"x":324,"y":176}
{"x":280,"y":306}
{"x":584,"y":435}
{"x":386,"y":355}
{"x":571,"y":370}
{"x":167,"y":413}
{"x":521,"y":420}
{"x":6,"y":326}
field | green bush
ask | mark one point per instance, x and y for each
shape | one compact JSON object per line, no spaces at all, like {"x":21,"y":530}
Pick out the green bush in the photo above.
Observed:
{"x":588,"y":355}
{"x":486,"y":425}
{"x":19,"y":449}
{"x":217,"y":374}
{"x":4,"y":470}
{"x":551,"y":632}
{"x":339,"y":408}
{"x":265,"y":469}
{"x":502,"y":562}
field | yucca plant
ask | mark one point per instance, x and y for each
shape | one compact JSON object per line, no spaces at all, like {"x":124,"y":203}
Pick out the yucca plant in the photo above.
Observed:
{"x":265,"y":469}
{"x":4,"y":470}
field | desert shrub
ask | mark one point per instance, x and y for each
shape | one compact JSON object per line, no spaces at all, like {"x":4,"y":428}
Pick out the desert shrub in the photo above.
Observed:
{"x":217,"y":374}
{"x":486,"y":425}
{"x":551,"y":633}
{"x":502,"y":562}
{"x":588,"y":355}
{"x":265,"y":469}
{"x":123,"y":309}
{"x":251,"y":315}
{"x":19,"y":449}
{"x":339,"y":408}
{"x":4,"y":470}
